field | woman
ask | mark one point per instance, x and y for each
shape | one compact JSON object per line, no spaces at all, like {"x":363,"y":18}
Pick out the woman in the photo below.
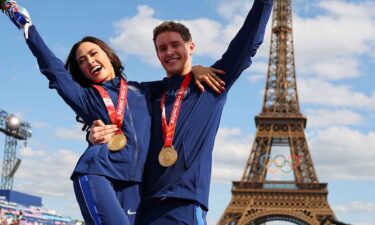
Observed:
{"x":107,"y":177}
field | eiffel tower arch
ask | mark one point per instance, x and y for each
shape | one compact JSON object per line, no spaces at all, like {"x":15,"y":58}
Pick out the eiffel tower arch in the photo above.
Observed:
{"x":256,"y":200}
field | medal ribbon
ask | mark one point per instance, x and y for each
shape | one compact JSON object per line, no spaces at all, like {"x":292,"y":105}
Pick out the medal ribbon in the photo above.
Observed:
{"x":169,"y":129}
{"x":116,"y":116}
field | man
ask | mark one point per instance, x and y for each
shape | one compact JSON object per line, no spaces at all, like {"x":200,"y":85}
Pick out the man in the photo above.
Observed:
{"x":185,"y":122}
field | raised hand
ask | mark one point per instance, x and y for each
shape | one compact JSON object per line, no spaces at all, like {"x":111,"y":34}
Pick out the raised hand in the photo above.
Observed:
{"x":17,"y":14}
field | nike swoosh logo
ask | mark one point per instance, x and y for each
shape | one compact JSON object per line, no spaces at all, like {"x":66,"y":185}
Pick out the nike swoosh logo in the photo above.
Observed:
{"x":131,"y":212}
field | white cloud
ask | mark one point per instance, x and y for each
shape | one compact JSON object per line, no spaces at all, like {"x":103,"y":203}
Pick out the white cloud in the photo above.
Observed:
{"x":134,"y":39}
{"x":28,"y":152}
{"x":255,"y":77}
{"x":340,"y":8}
{"x":325,"y":118}
{"x":342,"y":153}
{"x":329,"y":45}
{"x":355,"y":207}
{"x":231,"y":150}
{"x":234,"y":8}
{"x":208,"y":43}
{"x":258,"y":71}
{"x":321,"y":92}
{"x":46,"y":174}
{"x":41,"y":125}
{"x":71,"y":134}
{"x":336,"y":68}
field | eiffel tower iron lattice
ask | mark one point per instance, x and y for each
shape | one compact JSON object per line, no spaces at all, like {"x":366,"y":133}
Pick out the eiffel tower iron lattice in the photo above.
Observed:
{"x":256,"y":200}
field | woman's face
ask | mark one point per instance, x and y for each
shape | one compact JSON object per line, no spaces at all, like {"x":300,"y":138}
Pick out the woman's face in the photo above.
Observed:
{"x":94,"y":63}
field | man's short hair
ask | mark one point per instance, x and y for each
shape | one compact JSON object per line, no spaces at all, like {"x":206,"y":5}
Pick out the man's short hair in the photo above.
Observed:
{"x":175,"y":27}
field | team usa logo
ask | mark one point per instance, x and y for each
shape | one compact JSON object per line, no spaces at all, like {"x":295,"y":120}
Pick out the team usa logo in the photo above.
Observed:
{"x":175,"y":92}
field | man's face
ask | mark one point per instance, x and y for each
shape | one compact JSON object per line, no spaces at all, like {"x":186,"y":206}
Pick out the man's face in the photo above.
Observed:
{"x":174,"y":54}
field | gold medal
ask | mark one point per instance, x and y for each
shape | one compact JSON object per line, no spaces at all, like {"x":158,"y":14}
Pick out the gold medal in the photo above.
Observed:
{"x":168,"y":156}
{"x":116,"y":116}
{"x":117,"y":142}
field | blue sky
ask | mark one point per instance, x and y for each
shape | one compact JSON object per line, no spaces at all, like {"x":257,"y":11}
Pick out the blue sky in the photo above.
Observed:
{"x":334,"y":54}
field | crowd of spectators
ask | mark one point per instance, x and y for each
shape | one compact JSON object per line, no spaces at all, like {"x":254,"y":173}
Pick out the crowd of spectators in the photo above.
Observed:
{"x":11,"y":217}
{"x":16,"y":217}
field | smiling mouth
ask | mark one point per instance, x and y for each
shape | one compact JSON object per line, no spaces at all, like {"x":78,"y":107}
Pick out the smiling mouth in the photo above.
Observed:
{"x":96,"y":69}
{"x":171,"y":60}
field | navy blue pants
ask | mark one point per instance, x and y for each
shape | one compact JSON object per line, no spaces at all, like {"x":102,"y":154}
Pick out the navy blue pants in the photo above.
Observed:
{"x":104,"y":201}
{"x":172,"y":211}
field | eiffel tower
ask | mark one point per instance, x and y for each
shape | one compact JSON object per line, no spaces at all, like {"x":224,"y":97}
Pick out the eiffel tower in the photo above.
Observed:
{"x":256,"y":200}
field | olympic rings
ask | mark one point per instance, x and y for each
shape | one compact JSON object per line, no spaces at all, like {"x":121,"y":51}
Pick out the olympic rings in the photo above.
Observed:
{"x":279,"y":162}
{"x":294,"y":160}
{"x":276,"y":160}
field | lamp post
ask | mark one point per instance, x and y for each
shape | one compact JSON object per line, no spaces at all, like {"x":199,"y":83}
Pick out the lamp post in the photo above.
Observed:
{"x":15,"y":130}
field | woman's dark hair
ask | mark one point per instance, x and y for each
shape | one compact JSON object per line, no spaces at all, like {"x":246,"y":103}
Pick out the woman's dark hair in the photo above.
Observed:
{"x":73,"y":67}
